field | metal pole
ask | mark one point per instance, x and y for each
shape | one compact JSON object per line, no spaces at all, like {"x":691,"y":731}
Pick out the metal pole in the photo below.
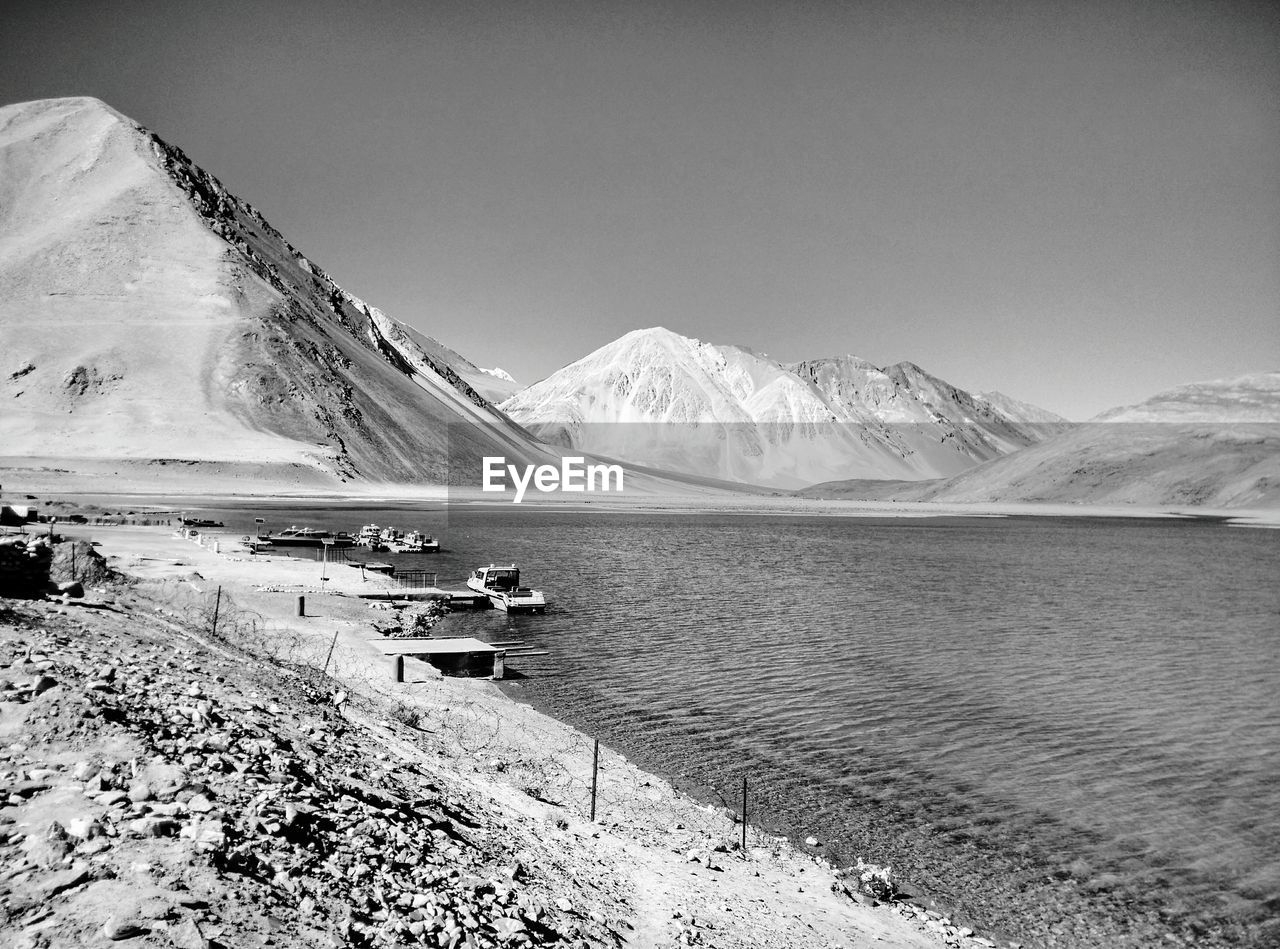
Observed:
{"x":595,"y":768}
{"x":216,"y":605}
{"x":744,"y":815}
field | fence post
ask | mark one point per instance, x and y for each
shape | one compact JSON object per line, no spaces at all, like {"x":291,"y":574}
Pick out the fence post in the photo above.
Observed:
{"x":302,"y":605}
{"x":595,"y":767}
{"x":399,"y":668}
{"x":217,"y":604}
{"x":325,"y":670}
{"x":744,"y":816}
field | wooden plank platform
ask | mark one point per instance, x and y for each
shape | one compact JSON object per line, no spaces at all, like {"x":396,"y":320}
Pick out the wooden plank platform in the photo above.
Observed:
{"x":404,"y":593}
{"x":465,"y":597}
{"x":433,"y":647}
{"x":459,"y":598}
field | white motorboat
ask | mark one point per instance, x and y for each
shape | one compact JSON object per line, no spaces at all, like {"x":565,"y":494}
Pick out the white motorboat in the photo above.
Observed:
{"x":371,"y":536}
{"x":502,"y":586}
{"x":415,"y":542}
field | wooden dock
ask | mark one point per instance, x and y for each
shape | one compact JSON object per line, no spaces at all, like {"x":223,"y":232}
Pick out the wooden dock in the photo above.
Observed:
{"x":456,"y":654}
{"x":455,"y":599}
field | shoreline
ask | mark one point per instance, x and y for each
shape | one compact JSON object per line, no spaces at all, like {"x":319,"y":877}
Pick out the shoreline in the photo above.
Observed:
{"x":732,"y":505}
{"x":509,"y":742}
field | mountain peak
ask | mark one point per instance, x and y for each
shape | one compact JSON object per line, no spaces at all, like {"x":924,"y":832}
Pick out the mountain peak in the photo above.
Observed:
{"x":115,"y":247}
{"x":34,"y":106}
{"x":69,"y":108}
{"x":499,"y":373}
{"x":656,"y":334}
{"x":658,"y":398}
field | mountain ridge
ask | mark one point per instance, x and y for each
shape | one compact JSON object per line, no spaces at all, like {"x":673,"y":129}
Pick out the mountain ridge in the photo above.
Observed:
{"x":657,"y":397}
{"x":1207,"y":444}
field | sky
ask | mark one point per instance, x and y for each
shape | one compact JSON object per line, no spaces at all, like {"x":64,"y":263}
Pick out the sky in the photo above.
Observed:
{"x":1077,"y":204}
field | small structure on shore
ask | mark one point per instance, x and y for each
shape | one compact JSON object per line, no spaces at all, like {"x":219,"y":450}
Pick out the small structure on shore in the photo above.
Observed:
{"x":461,"y":656}
{"x":457,"y":656}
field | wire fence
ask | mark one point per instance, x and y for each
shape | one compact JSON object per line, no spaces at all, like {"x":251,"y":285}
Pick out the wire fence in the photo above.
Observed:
{"x":470,"y":731}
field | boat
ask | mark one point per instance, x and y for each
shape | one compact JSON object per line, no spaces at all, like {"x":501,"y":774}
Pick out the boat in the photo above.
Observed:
{"x":415,"y":542}
{"x":257,"y":545}
{"x":310,"y":537}
{"x":502,"y":586}
{"x":371,"y":536}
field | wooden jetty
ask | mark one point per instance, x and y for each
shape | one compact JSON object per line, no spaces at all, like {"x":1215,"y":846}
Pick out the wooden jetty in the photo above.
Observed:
{"x":453,"y":654}
{"x":454,"y":599}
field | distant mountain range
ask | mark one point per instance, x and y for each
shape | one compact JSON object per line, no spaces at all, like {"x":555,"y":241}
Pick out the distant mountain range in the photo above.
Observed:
{"x":150,"y":320}
{"x":657,"y":398}
{"x":1213,"y":444}
{"x":148,"y":316}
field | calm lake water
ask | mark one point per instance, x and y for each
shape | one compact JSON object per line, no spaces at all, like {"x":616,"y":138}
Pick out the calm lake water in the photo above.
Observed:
{"x":1066,"y":729}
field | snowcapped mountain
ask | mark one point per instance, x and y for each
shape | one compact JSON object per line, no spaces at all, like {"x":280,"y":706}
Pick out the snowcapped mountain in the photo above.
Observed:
{"x":150,"y":317}
{"x":496,"y":384}
{"x":657,"y":398}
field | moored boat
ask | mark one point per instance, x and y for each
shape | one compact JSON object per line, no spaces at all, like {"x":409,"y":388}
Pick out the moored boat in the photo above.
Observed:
{"x":310,"y":537}
{"x":415,"y":542}
{"x":199,"y":522}
{"x":371,"y":536}
{"x":502,"y":586}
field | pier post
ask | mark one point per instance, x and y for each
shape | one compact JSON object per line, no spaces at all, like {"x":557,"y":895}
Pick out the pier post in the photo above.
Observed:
{"x":302,"y":605}
{"x":399,"y":667}
{"x":499,"y":665}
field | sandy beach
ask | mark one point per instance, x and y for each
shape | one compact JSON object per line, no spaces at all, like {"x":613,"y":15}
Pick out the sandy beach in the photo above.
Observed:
{"x":656,"y":868}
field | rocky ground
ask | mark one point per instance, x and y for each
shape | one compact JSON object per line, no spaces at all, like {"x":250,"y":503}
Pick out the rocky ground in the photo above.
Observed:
{"x":163,"y":787}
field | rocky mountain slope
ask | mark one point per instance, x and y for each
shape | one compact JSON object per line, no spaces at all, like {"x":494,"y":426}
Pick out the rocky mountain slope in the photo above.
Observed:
{"x":148,"y":315}
{"x":657,"y":398}
{"x":1214,"y":444}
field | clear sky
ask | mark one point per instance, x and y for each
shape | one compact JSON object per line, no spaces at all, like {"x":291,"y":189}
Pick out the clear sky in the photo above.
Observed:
{"x":1075,"y":203}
